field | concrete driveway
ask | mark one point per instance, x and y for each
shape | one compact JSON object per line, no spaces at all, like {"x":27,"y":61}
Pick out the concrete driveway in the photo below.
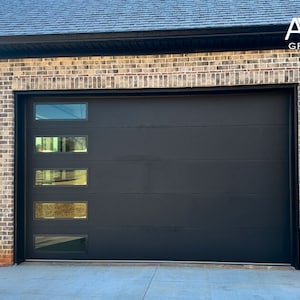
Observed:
{"x":135,"y":281}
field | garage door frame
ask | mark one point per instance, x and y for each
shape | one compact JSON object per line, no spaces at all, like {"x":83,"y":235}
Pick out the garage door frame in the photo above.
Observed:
{"x":20,"y":153}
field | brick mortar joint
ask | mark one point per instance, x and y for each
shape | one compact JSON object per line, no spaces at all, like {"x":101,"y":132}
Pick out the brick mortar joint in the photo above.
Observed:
{"x":208,"y":71}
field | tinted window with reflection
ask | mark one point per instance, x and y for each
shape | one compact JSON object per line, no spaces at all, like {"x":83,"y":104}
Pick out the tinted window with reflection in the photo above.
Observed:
{"x":60,"y":177}
{"x":60,"y":210}
{"x":60,"y":144}
{"x":60,"y":243}
{"x":60,"y":111}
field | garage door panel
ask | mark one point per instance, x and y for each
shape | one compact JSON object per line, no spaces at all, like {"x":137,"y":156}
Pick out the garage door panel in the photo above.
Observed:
{"x":185,"y":209}
{"x":158,"y":209}
{"x":52,"y":128}
{"x":254,"y":210}
{"x":154,"y":243}
{"x":261,"y":243}
{"x":51,"y":161}
{"x":188,"y":244}
{"x":187,"y":176}
{"x":191,"y":210}
{"x":182,"y":177}
{"x":70,"y":226}
{"x":189,"y":111}
{"x":237,"y":143}
{"x":219,"y":176}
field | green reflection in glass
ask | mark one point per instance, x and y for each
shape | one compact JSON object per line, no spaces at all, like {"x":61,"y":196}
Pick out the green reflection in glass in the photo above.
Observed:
{"x":60,"y":177}
{"x":60,"y":243}
{"x":55,"y":144}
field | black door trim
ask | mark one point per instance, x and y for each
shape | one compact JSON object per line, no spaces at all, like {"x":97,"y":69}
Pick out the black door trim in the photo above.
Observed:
{"x":294,"y":178}
{"x":20,"y":152}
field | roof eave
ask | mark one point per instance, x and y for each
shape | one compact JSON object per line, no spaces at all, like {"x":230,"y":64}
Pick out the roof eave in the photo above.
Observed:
{"x":145,"y":42}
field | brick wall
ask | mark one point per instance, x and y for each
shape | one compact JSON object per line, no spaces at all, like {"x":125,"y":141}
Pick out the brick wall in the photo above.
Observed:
{"x":123,"y":72}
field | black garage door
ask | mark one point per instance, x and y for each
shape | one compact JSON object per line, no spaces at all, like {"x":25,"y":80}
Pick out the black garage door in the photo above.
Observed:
{"x":186,"y":177}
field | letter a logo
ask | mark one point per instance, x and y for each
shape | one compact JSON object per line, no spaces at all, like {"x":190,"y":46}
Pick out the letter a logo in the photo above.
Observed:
{"x":295,"y":22}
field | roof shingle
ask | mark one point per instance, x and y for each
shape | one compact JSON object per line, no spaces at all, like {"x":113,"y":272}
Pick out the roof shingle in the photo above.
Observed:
{"x":42,"y":17}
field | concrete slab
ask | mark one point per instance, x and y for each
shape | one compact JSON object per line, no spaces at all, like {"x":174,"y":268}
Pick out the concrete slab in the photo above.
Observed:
{"x":154,"y":281}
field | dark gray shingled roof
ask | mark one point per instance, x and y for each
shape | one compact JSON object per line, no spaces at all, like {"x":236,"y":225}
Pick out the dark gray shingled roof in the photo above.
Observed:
{"x":42,"y":17}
